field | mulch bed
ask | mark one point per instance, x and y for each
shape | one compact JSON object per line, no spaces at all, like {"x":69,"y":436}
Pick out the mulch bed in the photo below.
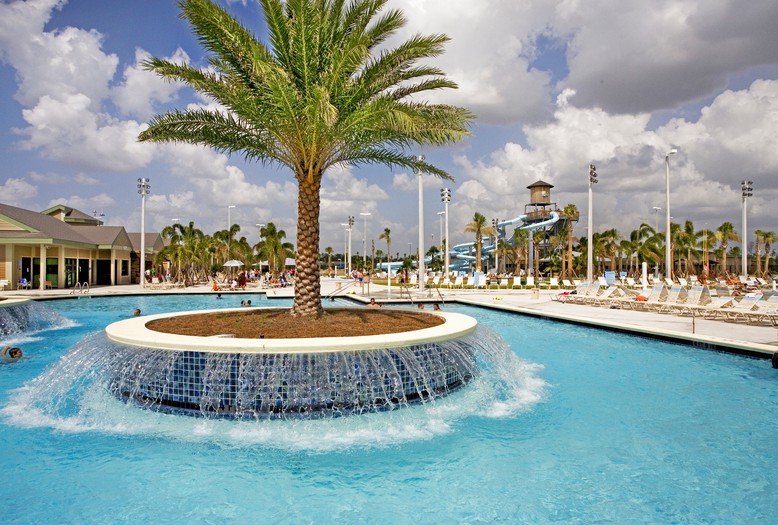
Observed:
{"x":254,"y":323}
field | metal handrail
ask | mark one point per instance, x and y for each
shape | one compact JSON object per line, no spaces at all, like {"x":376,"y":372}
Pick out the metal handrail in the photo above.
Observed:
{"x":76,"y":287}
{"x":407,"y":289}
{"x":437,"y":289}
{"x":83,"y":286}
{"x":339,"y":291}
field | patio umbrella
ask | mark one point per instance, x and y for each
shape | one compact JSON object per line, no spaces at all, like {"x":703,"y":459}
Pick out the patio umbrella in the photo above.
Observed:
{"x":233,"y":262}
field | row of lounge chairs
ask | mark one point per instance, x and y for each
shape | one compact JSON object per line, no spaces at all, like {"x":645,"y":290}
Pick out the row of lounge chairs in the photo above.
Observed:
{"x":163,"y":284}
{"x":753,"y":308}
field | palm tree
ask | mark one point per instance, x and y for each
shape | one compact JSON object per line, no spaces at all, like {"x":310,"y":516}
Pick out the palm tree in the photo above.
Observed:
{"x":329,"y":251}
{"x":480,"y":228}
{"x":521,"y":238}
{"x":387,"y":236}
{"x":325,"y":91}
{"x":272,"y":247}
{"x":759,"y":235}
{"x":537,"y":238}
{"x":724,"y":234}
{"x":768,"y":238}
{"x":504,"y":250}
{"x":687,"y":245}
{"x":187,"y":247}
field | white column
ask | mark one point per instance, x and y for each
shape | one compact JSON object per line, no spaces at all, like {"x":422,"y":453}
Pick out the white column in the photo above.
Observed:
{"x":144,"y":189}
{"x":42,"y":268}
{"x":668,"y":249}
{"x":589,"y":233}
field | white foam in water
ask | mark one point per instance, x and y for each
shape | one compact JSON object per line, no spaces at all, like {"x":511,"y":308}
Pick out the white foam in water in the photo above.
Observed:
{"x":73,"y":396}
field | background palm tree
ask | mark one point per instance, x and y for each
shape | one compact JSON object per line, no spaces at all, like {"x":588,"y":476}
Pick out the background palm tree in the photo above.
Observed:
{"x":273,"y":248}
{"x":329,"y":251}
{"x":537,"y":238}
{"x":759,"y":236}
{"x":187,"y":247}
{"x":387,"y":236}
{"x":769,"y":239}
{"x":724,"y":234}
{"x":480,"y":228}
{"x":521,"y":239}
{"x":327,"y":90}
{"x":504,"y":250}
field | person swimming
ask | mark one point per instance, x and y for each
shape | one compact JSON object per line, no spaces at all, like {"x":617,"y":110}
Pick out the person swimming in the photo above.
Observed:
{"x":11,"y":353}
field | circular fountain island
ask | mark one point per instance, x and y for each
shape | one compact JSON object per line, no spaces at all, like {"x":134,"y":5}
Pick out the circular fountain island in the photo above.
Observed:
{"x":226,"y":375}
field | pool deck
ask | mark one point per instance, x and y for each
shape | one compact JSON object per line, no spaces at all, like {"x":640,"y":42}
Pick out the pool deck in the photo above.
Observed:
{"x":760,"y":341}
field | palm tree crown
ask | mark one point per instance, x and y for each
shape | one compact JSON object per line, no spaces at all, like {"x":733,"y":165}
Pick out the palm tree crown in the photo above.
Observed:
{"x":318,"y":95}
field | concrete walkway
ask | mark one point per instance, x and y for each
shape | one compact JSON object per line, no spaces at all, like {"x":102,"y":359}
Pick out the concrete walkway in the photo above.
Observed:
{"x":739,"y":337}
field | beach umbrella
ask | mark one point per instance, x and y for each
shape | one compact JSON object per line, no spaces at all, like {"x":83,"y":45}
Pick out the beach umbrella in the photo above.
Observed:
{"x":233,"y":262}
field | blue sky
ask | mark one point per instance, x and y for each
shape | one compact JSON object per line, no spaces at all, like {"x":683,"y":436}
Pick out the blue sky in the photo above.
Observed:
{"x":555,"y":85}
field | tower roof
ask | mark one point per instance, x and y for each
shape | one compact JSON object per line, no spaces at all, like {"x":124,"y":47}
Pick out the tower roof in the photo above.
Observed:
{"x":540,"y":184}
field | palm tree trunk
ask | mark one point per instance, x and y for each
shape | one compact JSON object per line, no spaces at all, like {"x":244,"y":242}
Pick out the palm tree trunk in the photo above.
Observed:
{"x":307,"y":290}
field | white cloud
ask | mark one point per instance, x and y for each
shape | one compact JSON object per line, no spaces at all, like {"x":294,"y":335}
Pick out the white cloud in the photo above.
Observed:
{"x":60,"y":63}
{"x":97,"y":203}
{"x":630,"y":162}
{"x":141,"y":89}
{"x":18,"y":191}
{"x":49,"y":177}
{"x":492,"y":44}
{"x":66,"y":130}
{"x":644,"y":56}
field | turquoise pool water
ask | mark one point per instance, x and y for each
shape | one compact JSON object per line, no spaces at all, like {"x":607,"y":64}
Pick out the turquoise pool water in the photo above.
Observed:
{"x":588,"y":427}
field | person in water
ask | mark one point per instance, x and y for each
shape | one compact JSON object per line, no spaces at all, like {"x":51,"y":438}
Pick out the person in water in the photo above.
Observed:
{"x":13,"y":352}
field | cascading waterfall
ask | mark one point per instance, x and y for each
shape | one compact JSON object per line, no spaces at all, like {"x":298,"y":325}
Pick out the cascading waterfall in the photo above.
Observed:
{"x":270,"y":386}
{"x":29,"y":316}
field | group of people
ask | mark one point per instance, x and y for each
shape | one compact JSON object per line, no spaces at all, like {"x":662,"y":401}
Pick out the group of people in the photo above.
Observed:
{"x":374,"y":304}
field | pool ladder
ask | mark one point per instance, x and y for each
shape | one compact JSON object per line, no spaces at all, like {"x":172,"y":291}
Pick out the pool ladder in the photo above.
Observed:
{"x":82,"y":288}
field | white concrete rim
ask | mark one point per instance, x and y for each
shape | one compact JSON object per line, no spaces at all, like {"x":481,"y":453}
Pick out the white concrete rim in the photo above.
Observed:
{"x":13,"y":301}
{"x":133,"y":332}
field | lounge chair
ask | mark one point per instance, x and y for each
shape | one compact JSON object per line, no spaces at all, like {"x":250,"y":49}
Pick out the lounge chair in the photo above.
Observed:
{"x":530,"y":282}
{"x":606,"y":297}
{"x":653,"y":300}
{"x":584,"y":292}
{"x":740,"y":309}
{"x":697,"y":296}
{"x":503,"y":283}
{"x":567,"y":285}
{"x":676,"y":296}
{"x":516,"y":281}
{"x":458,"y":282}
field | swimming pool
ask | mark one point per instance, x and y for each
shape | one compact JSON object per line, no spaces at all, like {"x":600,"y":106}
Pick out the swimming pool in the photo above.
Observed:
{"x":592,"y":426}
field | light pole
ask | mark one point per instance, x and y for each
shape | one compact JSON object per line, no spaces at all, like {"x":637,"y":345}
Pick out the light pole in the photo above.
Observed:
{"x":656,"y":209}
{"x":420,"y":262}
{"x":350,"y":227}
{"x":747,"y":188}
{"x":365,"y":215}
{"x":229,"y":225}
{"x":589,"y":242}
{"x":445,"y":197}
{"x":668,"y":251}
{"x":495,"y":222}
{"x":440,"y":222}
{"x":345,"y":245}
{"x":144,"y":188}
